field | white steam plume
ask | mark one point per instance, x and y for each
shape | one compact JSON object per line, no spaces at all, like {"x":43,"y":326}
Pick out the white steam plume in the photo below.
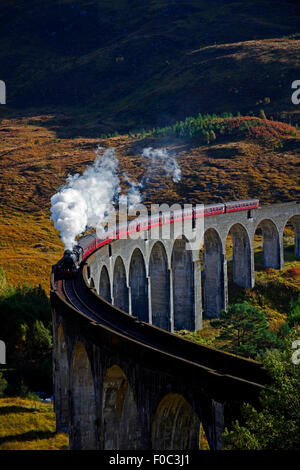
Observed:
{"x":169,"y":163}
{"x":134,"y":196}
{"x":85,"y":200}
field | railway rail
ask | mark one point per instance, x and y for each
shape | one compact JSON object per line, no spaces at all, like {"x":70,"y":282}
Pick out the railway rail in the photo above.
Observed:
{"x":230,"y":370}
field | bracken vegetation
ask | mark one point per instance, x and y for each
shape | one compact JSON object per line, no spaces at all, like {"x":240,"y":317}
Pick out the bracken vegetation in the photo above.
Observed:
{"x":82,"y":73}
{"x":34,"y":163}
{"x":209,"y":128}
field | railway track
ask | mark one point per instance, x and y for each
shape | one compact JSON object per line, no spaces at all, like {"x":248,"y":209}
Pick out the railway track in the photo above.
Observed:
{"x":207,"y":361}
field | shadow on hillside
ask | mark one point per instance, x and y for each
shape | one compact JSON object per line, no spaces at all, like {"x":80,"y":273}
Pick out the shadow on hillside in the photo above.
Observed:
{"x":6,"y":410}
{"x":28,"y":436}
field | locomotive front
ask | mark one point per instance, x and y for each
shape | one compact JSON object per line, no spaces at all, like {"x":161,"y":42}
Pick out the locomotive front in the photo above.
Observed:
{"x":71,"y":261}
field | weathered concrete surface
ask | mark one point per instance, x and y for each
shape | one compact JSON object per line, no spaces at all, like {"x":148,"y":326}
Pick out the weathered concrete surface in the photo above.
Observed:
{"x":120,"y":288}
{"x":104,"y":285}
{"x":116,"y":395}
{"x":182,"y":274}
{"x":61,"y":372}
{"x":138,"y":286}
{"x":160,"y":286}
{"x":175,"y":425}
{"x":83,"y":417}
{"x":215,"y":278}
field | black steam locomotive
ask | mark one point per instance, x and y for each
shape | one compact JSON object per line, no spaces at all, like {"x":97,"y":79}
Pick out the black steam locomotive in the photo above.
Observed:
{"x":71,"y":260}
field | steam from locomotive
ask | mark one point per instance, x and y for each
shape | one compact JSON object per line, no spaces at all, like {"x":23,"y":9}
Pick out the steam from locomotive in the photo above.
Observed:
{"x":85,"y":200}
{"x":169,"y":163}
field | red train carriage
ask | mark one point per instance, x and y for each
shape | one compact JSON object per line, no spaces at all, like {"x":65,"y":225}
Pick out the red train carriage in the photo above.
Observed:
{"x":91,"y":242}
{"x":246,"y":205}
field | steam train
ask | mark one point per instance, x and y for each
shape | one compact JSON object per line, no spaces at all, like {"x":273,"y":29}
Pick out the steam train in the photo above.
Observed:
{"x":71,"y":261}
{"x":72,"y":258}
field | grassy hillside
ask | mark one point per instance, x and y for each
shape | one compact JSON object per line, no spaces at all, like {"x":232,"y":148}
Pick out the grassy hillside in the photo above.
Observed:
{"x":101,"y":66}
{"x":78,"y":72}
{"x":34,"y":163}
{"x":29,"y":425}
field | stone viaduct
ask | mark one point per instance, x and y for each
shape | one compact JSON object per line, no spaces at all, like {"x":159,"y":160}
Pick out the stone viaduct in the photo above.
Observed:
{"x":123,"y":382}
{"x":159,"y":281}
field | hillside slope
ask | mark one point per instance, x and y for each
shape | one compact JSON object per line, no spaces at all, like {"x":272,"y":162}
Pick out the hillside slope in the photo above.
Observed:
{"x":34,"y":164}
{"x":119,"y":65}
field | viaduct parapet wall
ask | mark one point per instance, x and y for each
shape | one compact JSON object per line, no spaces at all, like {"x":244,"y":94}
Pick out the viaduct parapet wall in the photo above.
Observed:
{"x":159,"y":280}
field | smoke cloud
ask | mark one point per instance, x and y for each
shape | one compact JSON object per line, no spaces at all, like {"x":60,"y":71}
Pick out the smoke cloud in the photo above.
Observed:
{"x":85,"y":200}
{"x":133,"y":196}
{"x":168,"y":163}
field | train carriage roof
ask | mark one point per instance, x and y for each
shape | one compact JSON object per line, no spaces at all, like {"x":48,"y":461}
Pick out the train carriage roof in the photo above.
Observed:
{"x":244,"y":201}
{"x":85,"y":241}
{"x":217,"y":204}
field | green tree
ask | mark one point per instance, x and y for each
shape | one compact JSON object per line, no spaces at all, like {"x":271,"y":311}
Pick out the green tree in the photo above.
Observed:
{"x":25,"y":319}
{"x":246,"y":327}
{"x":212,"y":135}
{"x":206,"y":136}
{"x":276,"y":425}
{"x":294,"y":313}
{"x":262,"y":114}
{"x":38,"y":339}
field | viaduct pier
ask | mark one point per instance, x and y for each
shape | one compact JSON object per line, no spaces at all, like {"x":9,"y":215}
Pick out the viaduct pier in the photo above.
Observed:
{"x":123,"y":380}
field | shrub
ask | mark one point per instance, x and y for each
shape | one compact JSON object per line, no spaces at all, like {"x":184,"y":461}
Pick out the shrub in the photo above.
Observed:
{"x":276,"y":425}
{"x":247,"y":328}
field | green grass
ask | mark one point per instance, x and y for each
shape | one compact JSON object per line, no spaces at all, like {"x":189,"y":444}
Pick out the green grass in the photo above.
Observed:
{"x":29,"y":425}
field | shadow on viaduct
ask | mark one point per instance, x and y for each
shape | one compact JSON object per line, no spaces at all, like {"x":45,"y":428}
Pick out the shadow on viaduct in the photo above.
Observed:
{"x":121,"y":382}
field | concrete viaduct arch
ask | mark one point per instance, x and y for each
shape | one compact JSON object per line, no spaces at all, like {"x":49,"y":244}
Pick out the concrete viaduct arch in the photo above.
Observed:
{"x":120,"y":289}
{"x":138,"y":283}
{"x":120,"y":422}
{"x":159,"y":281}
{"x":114,"y":392}
{"x":271,"y":245}
{"x":295,"y":221}
{"x":104,"y":284}
{"x":83,"y":431}
{"x":160,"y":286}
{"x":175,"y":425}
{"x":115,"y":397}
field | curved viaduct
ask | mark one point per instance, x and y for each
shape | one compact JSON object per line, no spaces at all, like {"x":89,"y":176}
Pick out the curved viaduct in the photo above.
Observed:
{"x":122,"y":381}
